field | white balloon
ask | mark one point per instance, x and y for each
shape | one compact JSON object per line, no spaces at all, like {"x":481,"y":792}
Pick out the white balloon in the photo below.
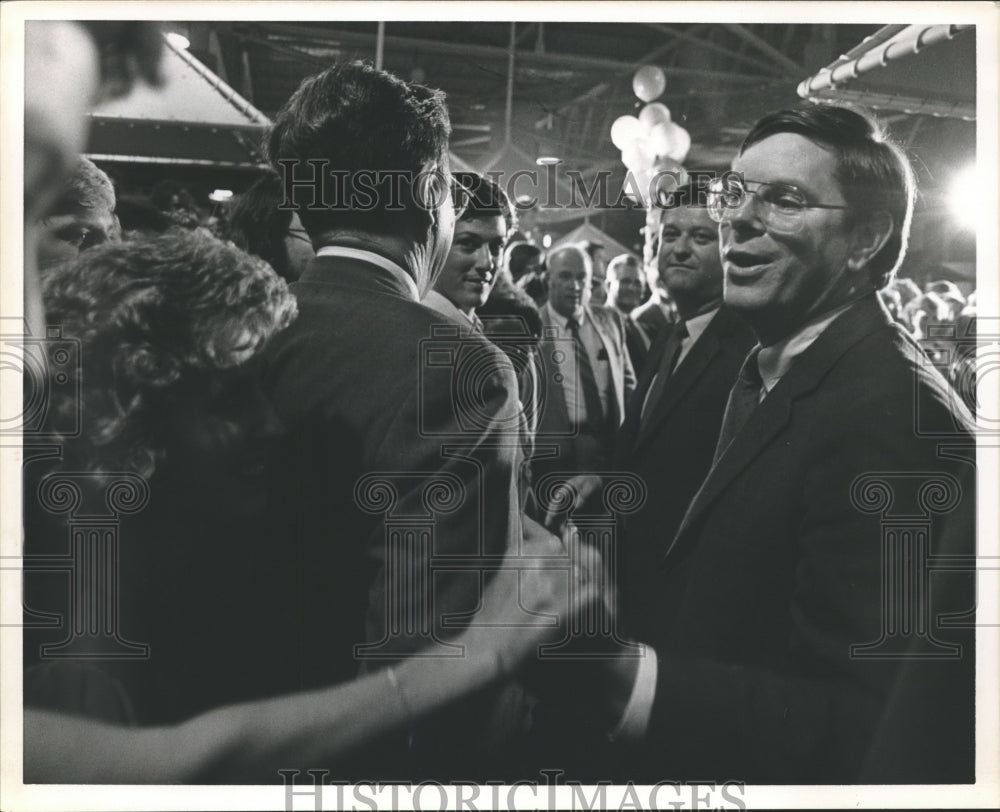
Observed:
{"x":659,"y":139}
{"x":653,"y":114}
{"x":648,"y":150}
{"x":649,"y":83}
{"x":680,"y":143}
{"x":624,"y":131}
{"x":632,"y":156}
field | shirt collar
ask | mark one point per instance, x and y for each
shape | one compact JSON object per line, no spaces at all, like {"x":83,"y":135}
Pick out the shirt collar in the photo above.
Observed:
{"x":444,"y":305}
{"x":774,"y":361}
{"x":698,"y":324}
{"x":375,"y":259}
{"x":560,"y":320}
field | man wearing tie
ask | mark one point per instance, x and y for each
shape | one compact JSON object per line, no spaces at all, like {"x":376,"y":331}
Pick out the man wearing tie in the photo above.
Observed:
{"x":797,"y":584}
{"x":672,"y":425}
{"x":588,"y":374}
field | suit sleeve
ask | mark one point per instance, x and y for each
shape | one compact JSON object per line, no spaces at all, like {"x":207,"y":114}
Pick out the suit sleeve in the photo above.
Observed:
{"x":815,"y":717}
{"x":451,"y":452}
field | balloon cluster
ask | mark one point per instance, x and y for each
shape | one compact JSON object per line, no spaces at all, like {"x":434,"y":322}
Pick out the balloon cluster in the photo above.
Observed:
{"x":651,"y":139}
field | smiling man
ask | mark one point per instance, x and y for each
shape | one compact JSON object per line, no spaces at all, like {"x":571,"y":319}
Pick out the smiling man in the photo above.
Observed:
{"x":798,"y":640}
{"x":780,"y":641}
{"x":473,"y":262}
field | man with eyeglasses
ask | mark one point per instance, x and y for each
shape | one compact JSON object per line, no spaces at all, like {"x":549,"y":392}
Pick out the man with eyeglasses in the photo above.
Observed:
{"x":797,"y":584}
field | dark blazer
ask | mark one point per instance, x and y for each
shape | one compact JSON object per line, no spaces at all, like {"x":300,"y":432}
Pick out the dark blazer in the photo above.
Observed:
{"x":777,"y":569}
{"x":555,"y":428}
{"x":671,"y":454}
{"x":649,"y":318}
{"x":373,"y":401}
{"x":636,"y":344}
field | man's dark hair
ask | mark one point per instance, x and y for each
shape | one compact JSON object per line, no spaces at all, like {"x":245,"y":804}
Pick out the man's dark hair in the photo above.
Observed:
{"x":478,"y":196}
{"x":692,"y":193}
{"x":873,"y":172}
{"x":519,"y":254}
{"x":258,"y":225}
{"x":358,"y":119}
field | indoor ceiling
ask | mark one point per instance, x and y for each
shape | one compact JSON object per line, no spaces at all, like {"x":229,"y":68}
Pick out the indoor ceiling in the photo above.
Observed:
{"x":570,"y":80}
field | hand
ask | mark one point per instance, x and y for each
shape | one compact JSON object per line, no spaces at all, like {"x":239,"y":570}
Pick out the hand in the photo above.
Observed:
{"x":576,"y":492}
{"x":528,"y":602}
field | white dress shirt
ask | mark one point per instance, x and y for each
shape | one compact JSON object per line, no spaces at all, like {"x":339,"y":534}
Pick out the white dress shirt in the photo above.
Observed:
{"x":599,"y":362}
{"x":375,"y":259}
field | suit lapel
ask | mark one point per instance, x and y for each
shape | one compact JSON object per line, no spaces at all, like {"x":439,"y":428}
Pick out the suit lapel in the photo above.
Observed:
{"x":775,"y":410}
{"x":617,"y":370}
{"x":693,"y":366}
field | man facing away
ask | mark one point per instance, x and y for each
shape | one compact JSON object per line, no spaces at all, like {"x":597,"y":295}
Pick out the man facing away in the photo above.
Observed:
{"x":388,"y":470}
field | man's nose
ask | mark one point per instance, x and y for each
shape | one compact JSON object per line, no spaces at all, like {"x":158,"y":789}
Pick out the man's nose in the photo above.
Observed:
{"x":744,"y":215}
{"x":682,"y":247}
{"x":484,"y":259}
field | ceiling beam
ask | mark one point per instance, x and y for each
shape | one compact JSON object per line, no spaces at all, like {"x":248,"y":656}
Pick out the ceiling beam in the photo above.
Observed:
{"x":765,"y":47}
{"x":656,"y":53}
{"x":711,"y":46}
{"x":580,"y":62}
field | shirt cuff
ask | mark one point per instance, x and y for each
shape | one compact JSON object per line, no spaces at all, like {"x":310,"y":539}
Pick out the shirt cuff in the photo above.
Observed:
{"x":635,"y":719}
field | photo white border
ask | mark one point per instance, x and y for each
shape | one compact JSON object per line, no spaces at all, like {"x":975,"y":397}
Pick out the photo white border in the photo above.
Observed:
{"x":15,"y":796}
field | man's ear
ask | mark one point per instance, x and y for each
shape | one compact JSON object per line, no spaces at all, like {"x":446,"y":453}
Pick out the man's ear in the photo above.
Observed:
{"x":433,"y":188}
{"x":870,"y":235}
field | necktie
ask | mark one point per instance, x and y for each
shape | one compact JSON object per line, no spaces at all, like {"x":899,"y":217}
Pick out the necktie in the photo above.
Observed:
{"x":743,"y":399}
{"x":668,"y":360}
{"x":586,"y":380}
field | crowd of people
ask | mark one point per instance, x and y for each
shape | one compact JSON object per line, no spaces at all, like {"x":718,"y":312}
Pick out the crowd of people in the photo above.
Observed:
{"x":376,"y":452}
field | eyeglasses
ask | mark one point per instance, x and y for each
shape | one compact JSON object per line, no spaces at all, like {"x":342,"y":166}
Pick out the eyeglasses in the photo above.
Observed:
{"x":782,"y":207}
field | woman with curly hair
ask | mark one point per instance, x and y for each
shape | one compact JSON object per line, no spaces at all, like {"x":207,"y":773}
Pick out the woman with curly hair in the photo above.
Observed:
{"x":169,"y":329}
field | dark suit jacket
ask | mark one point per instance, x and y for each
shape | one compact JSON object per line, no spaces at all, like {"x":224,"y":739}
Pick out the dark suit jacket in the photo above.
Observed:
{"x":377,"y":437}
{"x":555,"y":429}
{"x":650,"y":320}
{"x":777,"y":569}
{"x":671,"y":454}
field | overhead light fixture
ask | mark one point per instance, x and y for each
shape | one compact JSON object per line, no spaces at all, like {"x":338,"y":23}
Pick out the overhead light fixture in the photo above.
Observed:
{"x":548,"y":160}
{"x":221,"y":195}
{"x":178,"y":40}
{"x":963,"y":198}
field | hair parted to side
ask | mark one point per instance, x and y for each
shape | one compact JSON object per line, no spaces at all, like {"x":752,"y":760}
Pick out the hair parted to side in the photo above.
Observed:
{"x":87,"y":187}
{"x":353,"y":119}
{"x":478,"y":196}
{"x":873,"y":172}
{"x":149,"y":313}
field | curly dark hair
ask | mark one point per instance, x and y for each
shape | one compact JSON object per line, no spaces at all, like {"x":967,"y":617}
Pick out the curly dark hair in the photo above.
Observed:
{"x":149,"y":314}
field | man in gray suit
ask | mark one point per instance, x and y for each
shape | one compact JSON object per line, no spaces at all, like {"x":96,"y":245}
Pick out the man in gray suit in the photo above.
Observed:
{"x":588,"y":375}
